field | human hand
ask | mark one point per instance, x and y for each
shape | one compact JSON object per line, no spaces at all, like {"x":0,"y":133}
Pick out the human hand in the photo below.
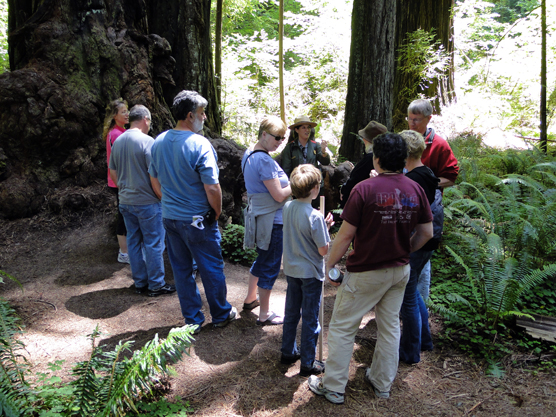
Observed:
{"x":329,"y":220}
{"x":323,"y":144}
{"x":373,"y":174}
{"x":334,"y":284}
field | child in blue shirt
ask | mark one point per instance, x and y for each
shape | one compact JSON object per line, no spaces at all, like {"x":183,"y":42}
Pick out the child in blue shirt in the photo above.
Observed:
{"x":306,"y":242}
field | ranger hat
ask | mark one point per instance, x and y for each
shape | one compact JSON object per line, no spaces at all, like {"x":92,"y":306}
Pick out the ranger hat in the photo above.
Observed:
{"x":372,"y":130}
{"x":302,"y":120}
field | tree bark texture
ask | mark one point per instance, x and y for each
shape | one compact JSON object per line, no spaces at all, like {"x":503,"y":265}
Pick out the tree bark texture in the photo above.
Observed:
{"x":68,"y":59}
{"x":185,"y":24}
{"x":426,"y":15}
{"x":218,"y":50}
{"x":543,"y":123}
{"x":371,"y":71}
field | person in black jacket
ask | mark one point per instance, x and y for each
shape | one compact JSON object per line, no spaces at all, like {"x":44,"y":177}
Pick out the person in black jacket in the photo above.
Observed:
{"x":416,"y":335}
{"x":364,"y":166}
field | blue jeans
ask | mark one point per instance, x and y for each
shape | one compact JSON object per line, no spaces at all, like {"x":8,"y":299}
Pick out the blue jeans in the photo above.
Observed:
{"x":424,"y":281}
{"x":416,"y":335}
{"x":267,"y":265}
{"x":145,"y":235}
{"x":302,"y":301}
{"x":186,"y":242}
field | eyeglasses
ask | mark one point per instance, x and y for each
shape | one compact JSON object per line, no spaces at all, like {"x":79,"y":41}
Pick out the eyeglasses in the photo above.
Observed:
{"x":414,"y":120}
{"x":278,"y":138}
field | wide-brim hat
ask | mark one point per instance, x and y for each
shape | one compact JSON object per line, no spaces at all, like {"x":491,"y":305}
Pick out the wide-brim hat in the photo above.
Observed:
{"x":372,"y":130}
{"x":302,"y":120}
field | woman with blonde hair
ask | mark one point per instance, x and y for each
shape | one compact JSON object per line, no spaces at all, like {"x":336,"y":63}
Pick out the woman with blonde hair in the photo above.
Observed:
{"x":268,"y":189}
{"x":117,"y":116}
{"x":416,"y":335}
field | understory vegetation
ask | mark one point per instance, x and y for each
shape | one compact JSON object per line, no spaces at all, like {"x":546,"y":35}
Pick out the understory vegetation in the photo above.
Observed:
{"x":500,"y":224}
{"x":118,"y":383}
{"x":498,"y":258}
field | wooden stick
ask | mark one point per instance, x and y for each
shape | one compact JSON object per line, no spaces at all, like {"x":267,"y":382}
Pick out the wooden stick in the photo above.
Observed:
{"x":321,"y":310}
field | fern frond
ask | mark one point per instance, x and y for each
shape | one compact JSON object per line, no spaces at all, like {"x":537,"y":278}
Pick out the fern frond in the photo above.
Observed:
{"x":471,"y":275}
{"x":6,"y":275}
{"x":87,"y":385}
{"x":135,"y":377}
{"x":13,"y":365}
{"x":446,"y":312}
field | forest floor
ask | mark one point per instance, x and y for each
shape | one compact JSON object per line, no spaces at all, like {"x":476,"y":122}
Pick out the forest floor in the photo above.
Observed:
{"x":72,"y":283}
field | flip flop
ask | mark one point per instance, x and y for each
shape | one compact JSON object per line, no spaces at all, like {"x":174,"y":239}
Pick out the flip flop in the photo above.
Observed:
{"x":251,"y":305}
{"x":272,"y":320}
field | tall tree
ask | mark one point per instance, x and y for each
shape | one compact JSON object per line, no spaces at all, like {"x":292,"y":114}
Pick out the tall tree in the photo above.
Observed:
{"x":218,"y":50}
{"x":371,"y":77}
{"x":281,"y":62}
{"x":68,"y":59}
{"x":543,"y":124}
{"x":185,"y":24}
{"x":426,"y":15}
{"x":379,"y":28}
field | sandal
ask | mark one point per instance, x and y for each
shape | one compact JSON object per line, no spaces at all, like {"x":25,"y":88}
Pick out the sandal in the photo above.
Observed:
{"x":272,"y":320}
{"x":251,"y":305}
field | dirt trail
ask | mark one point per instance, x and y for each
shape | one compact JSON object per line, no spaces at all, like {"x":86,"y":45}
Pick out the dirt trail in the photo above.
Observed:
{"x":72,"y":283}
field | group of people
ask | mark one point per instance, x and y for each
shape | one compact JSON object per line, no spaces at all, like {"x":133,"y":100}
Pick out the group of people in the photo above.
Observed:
{"x":169,"y":193}
{"x":389,"y":220}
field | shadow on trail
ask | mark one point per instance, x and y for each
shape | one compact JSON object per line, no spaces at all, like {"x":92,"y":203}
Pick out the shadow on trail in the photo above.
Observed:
{"x":103,"y":304}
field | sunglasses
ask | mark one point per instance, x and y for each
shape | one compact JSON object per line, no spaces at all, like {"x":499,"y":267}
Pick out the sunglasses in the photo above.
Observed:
{"x":278,"y":138}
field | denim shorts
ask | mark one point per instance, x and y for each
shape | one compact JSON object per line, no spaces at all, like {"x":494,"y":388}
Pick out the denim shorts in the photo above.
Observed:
{"x":267,"y":265}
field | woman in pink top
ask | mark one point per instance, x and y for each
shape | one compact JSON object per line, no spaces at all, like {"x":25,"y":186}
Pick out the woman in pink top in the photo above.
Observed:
{"x":117,"y":116}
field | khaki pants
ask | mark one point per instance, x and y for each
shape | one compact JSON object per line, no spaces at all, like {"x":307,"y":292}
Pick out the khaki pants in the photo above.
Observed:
{"x":358,"y":294}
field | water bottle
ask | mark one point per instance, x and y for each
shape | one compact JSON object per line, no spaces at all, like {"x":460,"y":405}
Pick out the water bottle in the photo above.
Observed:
{"x":335,"y":275}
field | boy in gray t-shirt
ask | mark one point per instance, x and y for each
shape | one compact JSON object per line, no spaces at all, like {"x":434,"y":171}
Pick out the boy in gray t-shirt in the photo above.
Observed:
{"x":305,"y":244}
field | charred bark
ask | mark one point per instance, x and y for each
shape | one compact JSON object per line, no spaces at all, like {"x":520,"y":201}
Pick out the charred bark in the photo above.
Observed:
{"x":68,"y":59}
{"x":371,"y":76}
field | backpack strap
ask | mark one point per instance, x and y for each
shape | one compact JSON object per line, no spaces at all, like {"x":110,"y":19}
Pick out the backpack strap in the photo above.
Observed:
{"x":248,"y":156}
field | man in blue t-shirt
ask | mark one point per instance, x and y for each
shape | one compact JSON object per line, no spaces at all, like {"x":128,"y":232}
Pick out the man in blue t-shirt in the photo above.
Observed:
{"x":184,"y":174}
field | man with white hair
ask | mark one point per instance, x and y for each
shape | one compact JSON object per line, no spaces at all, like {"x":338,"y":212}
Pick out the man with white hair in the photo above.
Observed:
{"x":438,"y":156}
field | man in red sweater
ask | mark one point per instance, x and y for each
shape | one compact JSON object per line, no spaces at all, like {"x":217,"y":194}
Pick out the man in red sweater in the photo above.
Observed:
{"x":438,"y":156}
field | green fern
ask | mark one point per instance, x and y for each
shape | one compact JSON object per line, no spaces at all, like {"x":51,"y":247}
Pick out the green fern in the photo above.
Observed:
{"x":109,"y":385}
{"x":13,"y":365}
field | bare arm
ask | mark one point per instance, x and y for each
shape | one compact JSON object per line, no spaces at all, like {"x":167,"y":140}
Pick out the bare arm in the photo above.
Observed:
{"x":156,"y":187}
{"x":340,"y":245}
{"x":323,"y":250}
{"x":445,"y":182}
{"x":114,"y":176}
{"x":276,"y":191}
{"x":214,"y":196}
{"x":423,"y":233}
{"x":329,"y":221}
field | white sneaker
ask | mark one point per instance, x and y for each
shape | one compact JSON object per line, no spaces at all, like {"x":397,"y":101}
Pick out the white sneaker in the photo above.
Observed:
{"x":123,"y":258}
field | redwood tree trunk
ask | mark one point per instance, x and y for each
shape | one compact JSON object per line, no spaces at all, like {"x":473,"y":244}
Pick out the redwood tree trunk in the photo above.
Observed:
{"x":424,"y":14}
{"x":371,"y":76}
{"x":186,"y":26}
{"x":68,"y":59}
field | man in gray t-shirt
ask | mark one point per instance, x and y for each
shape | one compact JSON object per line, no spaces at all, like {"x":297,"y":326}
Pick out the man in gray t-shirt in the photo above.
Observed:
{"x":140,"y":206}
